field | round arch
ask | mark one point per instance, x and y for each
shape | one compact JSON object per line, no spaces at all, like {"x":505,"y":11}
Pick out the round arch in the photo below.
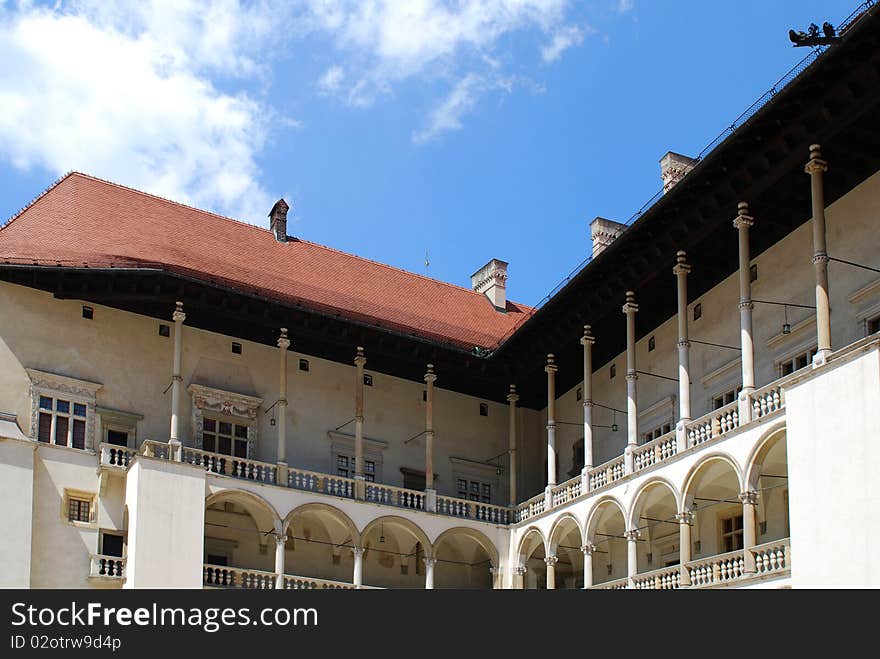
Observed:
{"x":402,"y":523}
{"x":596,"y":512}
{"x":558,"y":526}
{"x":687,"y":493}
{"x":645,"y":489}
{"x":532,"y":538}
{"x":251,"y":502}
{"x":323,"y":508}
{"x":759,"y":452}
{"x":474,"y":535}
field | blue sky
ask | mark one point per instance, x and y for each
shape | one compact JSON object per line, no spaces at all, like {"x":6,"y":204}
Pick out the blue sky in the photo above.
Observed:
{"x":471,"y":129}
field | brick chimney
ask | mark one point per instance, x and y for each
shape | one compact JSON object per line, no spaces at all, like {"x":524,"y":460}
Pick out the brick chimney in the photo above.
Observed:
{"x":673,"y":168}
{"x":491,"y":281}
{"x":603,"y":232}
{"x":278,"y":220}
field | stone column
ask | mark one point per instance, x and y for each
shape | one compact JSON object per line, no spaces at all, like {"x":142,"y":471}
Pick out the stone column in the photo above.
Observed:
{"x":497,"y":577}
{"x":588,"y":550}
{"x":283,"y":345}
{"x":551,"y":571}
{"x":743,"y":223}
{"x":359,"y":482}
{"x":750,"y":537}
{"x":632,"y":554}
{"x":519,"y":577}
{"x":587,"y":341}
{"x":358,"y":576}
{"x":685,"y":522}
{"x":512,"y":398}
{"x":681,"y":271}
{"x":430,"y":492}
{"x":178,"y":316}
{"x":551,"y":369}
{"x":816,"y":168}
{"x":280,"y":541}
{"x":632,"y":408}
{"x":429,"y":572}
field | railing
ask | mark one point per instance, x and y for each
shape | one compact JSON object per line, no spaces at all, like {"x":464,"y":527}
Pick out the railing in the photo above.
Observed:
{"x":219,"y":576}
{"x":772,"y":556}
{"x":109,"y":567}
{"x":722,"y":568}
{"x":567,"y":491}
{"x":714,"y":424}
{"x":154,"y":449}
{"x":616,"y":584}
{"x":311,"y":481}
{"x":395,"y":496}
{"x":607,"y":473}
{"x":767,"y":400}
{"x":667,"y":578}
{"x":531,"y":508}
{"x":483,"y":512}
{"x":655,"y":451}
{"x":116,"y":456}
{"x":309,"y":583}
{"x":228,"y":465}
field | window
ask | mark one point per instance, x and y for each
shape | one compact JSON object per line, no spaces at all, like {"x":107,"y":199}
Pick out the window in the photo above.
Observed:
{"x":78,"y":510}
{"x":424,"y":395}
{"x":224,"y":437}
{"x":345,"y":468}
{"x":368,"y":380}
{"x":753,"y":273}
{"x":304,"y":365}
{"x":659,"y":431}
{"x":873,"y":325}
{"x":88,"y":312}
{"x":164,"y":330}
{"x":236,"y":348}
{"x":652,"y":343}
{"x":117,"y":437}
{"x":62,"y":422}
{"x":111,"y":544}
{"x":474,"y":490}
{"x":790,"y":365}
{"x":613,"y":370}
{"x":217,"y":559}
{"x":577,"y":458}
{"x":579,"y":394}
{"x":484,"y":409}
{"x":732,"y":533}
{"x":725,"y":398}
{"x":698,"y":311}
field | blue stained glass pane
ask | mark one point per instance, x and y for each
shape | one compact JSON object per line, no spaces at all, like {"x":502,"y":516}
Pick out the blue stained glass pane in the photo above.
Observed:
{"x":45,"y":403}
{"x":62,"y":406}
{"x":79,"y":409}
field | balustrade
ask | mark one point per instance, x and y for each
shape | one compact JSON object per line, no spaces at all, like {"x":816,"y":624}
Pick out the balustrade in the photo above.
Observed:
{"x":655,"y":452}
{"x":667,"y":578}
{"x":116,"y":456}
{"x":107,"y":566}
{"x":722,"y":568}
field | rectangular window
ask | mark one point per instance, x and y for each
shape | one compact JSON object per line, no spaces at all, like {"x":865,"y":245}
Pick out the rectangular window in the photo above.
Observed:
{"x":224,"y":437}
{"x":164,"y":330}
{"x":658,"y":432}
{"x":726,"y":398}
{"x":78,"y":510}
{"x":873,"y":325}
{"x":345,"y":467}
{"x":698,"y":311}
{"x":88,"y":312}
{"x":304,"y":365}
{"x":796,"y":363}
{"x":117,"y":438}
{"x":236,"y":348}
{"x":368,"y":380}
{"x":579,"y":394}
{"x":474,"y":490}
{"x":111,"y":544}
{"x":62,"y":422}
{"x":484,"y":409}
{"x":652,"y":344}
{"x":613,"y":370}
{"x":732,"y":533}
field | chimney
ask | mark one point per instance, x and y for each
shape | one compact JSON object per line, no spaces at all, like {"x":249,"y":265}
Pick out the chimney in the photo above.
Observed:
{"x":603,"y":232}
{"x":278,"y":220}
{"x":491,"y":280}
{"x":673,"y":168}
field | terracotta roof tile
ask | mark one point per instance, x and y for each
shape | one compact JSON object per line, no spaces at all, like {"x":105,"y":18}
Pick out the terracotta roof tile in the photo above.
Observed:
{"x":84,"y":221}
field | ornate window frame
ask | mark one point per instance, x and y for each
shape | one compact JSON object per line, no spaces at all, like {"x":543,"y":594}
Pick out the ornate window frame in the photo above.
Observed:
{"x":68,"y":388}
{"x":239,"y":407}
{"x":343,"y":444}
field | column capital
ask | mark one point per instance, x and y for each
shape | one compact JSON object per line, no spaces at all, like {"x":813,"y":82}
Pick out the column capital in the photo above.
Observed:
{"x":430,"y":376}
{"x":685,"y":517}
{"x":681,"y":265}
{"x":746,"y":304}
{"x":816,"y":165}
{"x":359,"y":359}
{"x":632,"y":377}
{"x":520,"y":570}
{"x":632,"y":535}
{"x":683,"y":343}
{"x":819,"y":257}
{"x":587,"y":338}
{"x":280,"y":538}
{"x":551,"y":364}
{"x":551,"y":560}
{"x":512,"y":397}
{"x":630,"y":306}
{"x":429,"y":561}
{"x":357,"y":551}
{"x":283,"y":341}
{"x":743,"y":220}
{"x":178,"y":316}
{"x":748,"y":498}
{"x":589,"y":548}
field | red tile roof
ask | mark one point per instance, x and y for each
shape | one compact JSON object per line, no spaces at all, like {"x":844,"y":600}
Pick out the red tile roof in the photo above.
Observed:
{"x":84,"y":221}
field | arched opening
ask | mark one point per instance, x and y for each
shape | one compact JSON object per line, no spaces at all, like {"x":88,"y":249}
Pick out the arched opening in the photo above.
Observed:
{"x":605,"y":531}
{"x":768,"y":476}
{"x":566,"y":543}
{"x":712,"y":495}
{"x":531,"y":558}
{"x":395,"y":550}
{"x":654,"y":514}
{"x":319,"y":543}
{"x":464,"y":560}
{"x":239,"y":541}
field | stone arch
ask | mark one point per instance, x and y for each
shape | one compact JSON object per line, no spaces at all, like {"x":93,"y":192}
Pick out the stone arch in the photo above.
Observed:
{"x":335,"y":513}
{"x":473,"y":534}
{"x":401,"y":522}
{"x":249,"y":501}
{"x":688,"y":483}
{"x":762,"y":447}
{"x":466,"y":558}
{"x":533,"y":534}
{"x":643,"y":491}
{"x":553,"y":540}
{"x":593,"y":515}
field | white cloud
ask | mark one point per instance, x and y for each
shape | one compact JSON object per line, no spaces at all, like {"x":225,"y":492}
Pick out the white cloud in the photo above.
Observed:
{"x":331,"y":80}
{"x":124,"y":92}
{"x":568,"y":36}
{"x":624,"y":6}
{"x":448,"y":114}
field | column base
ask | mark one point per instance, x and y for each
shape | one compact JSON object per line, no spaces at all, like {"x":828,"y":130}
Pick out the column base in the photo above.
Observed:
{"x":281,"y":474}
{"x":548,"y":496}
{"x":681,"y":438}
{"x":175,"y":448}
{"x":431,"y":500}
{"x":585,"y":478}
{"x":821,"y":358}
{"x":360,"y":488}
{"x":745,"y":405}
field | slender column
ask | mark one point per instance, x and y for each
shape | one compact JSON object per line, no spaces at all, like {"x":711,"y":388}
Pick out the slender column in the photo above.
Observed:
{"x":519,"y":577}
{"x":685,"y":522}
{"x":750,"y":539}
{"x":816,"y":168}
{"x":632,"y":408}
{"x":551,"y":369}
{"x":178,"y":316}
{"x":632,"y":554}
{"x":280,"y":541}
{"x":283,"y":345}
{"x":551,"y":571}
{"x":588,"y":550}
{"x":587,"y":341}
{"x":429,"y":572}
{"x":743,"y":223}
{"x":512,"y":397}
{"x":497,"y":576}
{"x":359,"y":483}
{"x":681,"y":271}
{"x":431,"y":495}
{"x":358,"y":576}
